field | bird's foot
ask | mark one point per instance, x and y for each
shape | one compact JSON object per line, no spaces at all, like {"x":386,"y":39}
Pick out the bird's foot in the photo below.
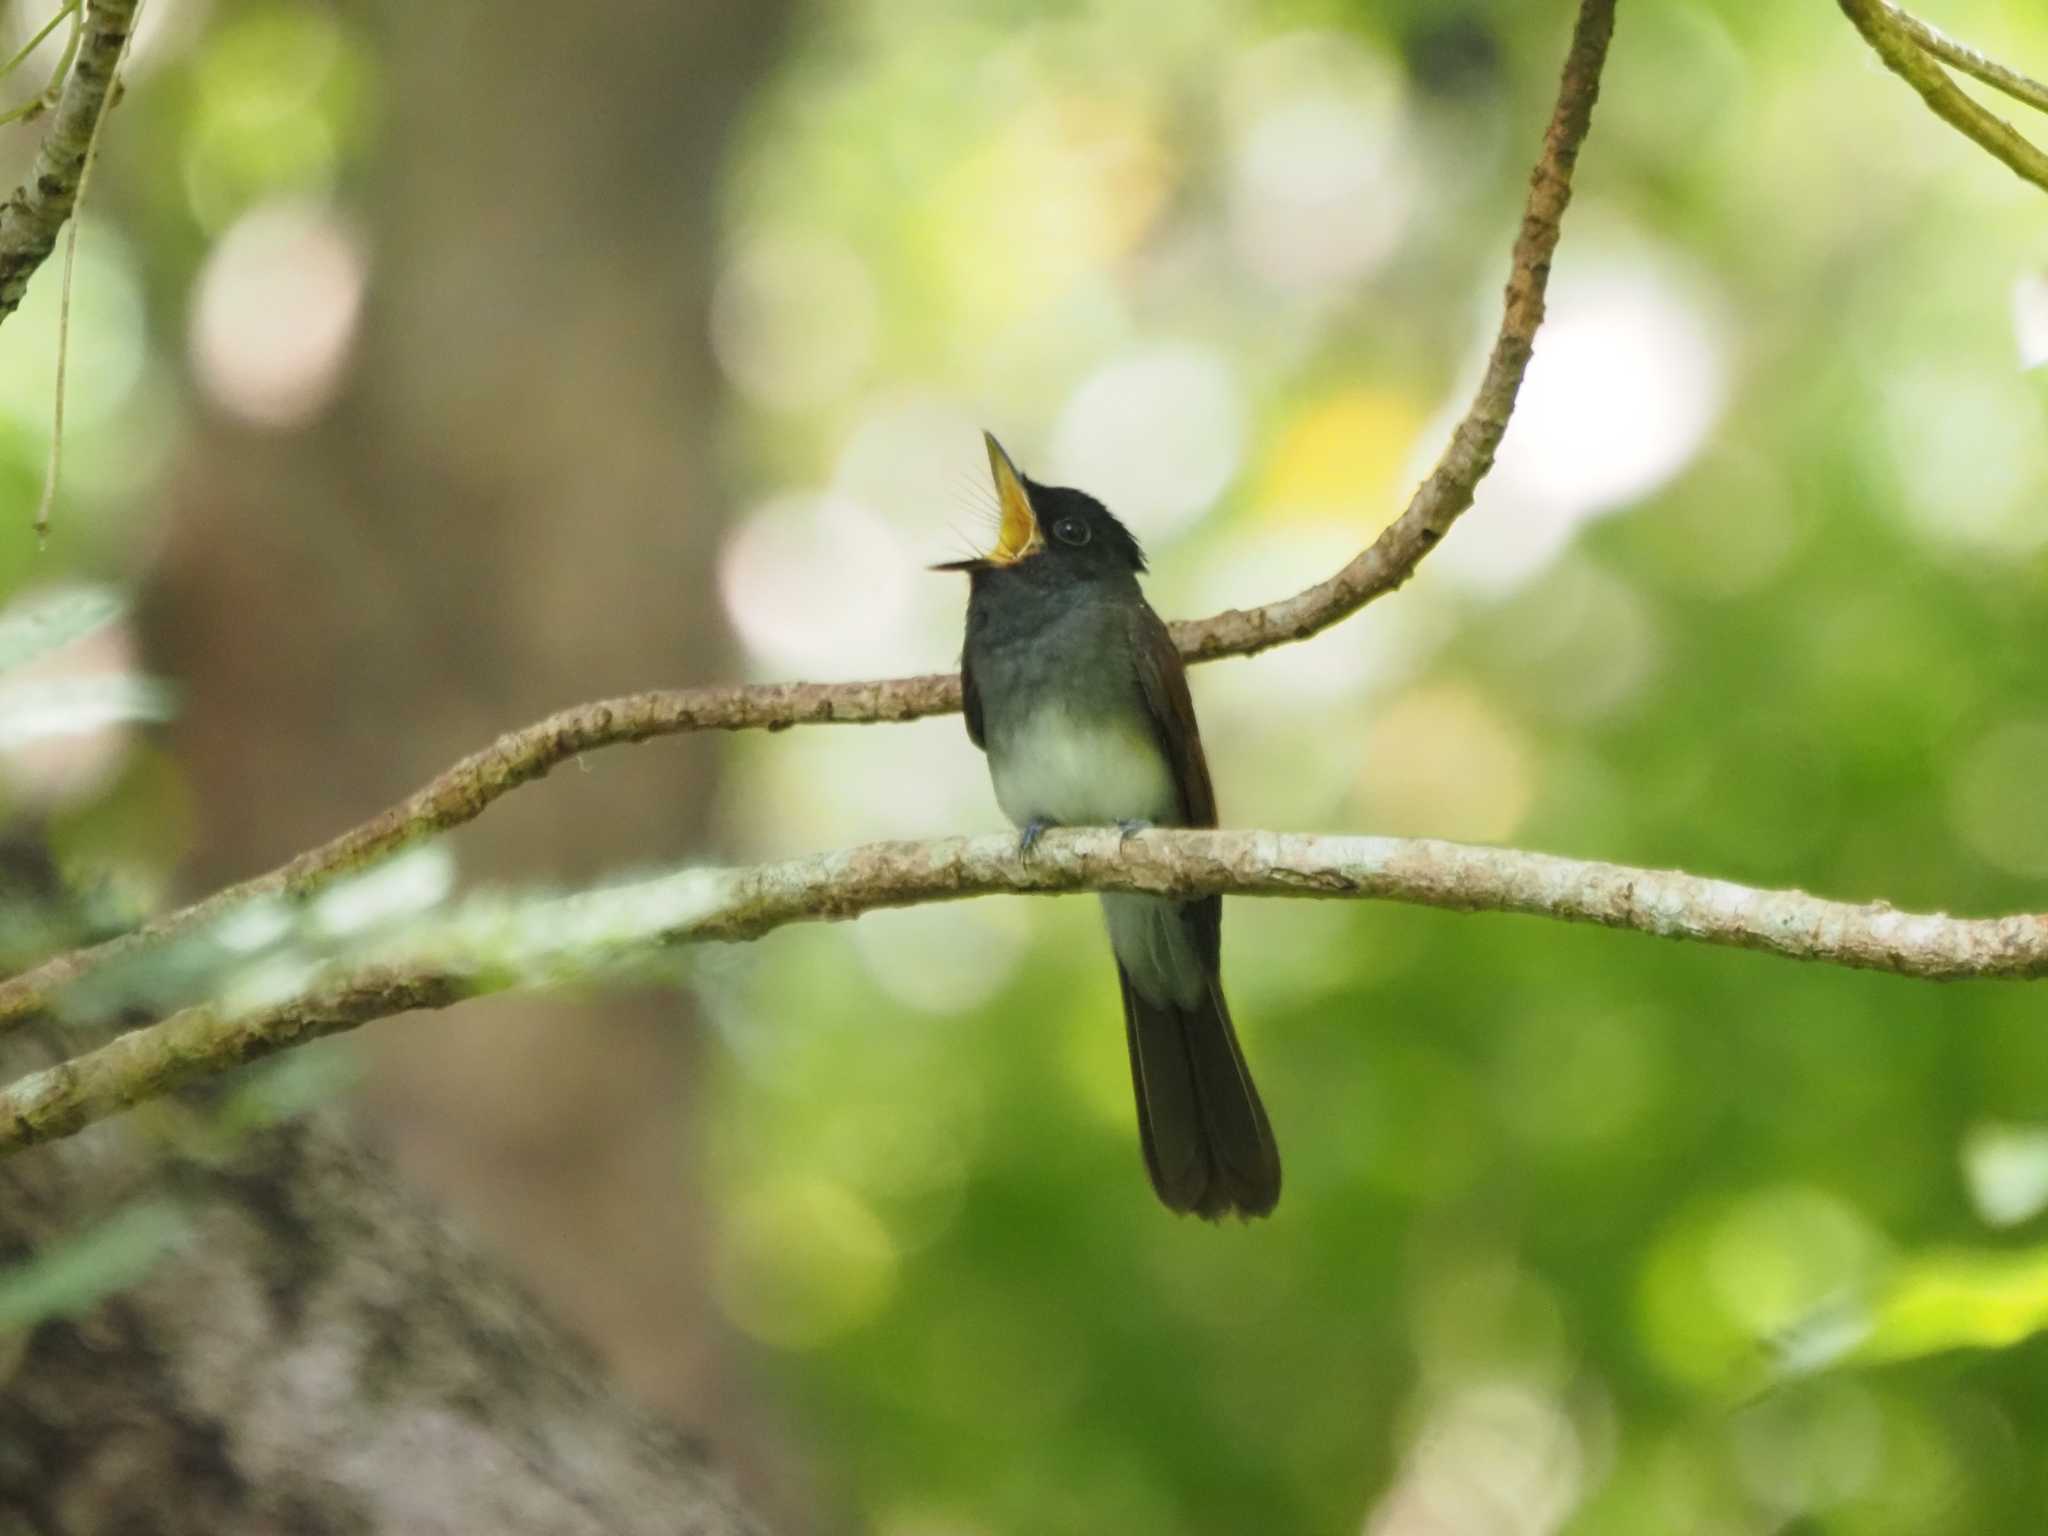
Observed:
{"x":1126,"y":830}
{"x":1028,"y":838}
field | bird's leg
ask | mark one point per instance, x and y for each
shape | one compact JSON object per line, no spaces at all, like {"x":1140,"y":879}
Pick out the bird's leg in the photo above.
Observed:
{"x":1126,"y":830}
{"x":1028,"y":838}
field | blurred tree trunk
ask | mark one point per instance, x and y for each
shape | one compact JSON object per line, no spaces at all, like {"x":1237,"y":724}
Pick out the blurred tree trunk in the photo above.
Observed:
{"x":513,"y":507}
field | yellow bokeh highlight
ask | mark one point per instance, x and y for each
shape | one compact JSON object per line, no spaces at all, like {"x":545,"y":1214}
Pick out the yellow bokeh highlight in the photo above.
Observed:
{"x":1068,"y":187}
{"x":1344,"y":452}
{"x":802,"y":1261}
{"x":1444,"y":762}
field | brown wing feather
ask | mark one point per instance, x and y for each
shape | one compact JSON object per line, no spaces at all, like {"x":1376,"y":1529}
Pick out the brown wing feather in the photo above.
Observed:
{"x":970,"y":704}
{"x":1164,"y":679}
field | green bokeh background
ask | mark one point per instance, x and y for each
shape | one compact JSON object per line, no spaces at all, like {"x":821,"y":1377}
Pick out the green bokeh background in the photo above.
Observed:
{"x":1566,"y":1211}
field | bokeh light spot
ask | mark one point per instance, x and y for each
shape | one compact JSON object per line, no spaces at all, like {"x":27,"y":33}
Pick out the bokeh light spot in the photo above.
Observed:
{"x":2030,"y":318}
{"x":818,"y":584}
{"x":1156,"y":435}
{"x":2006,"y":1168}
{"x":1341,"y":456}
{"x":1626,"y":383}
{"x":794,"y":318}
{"x":1970,"y":457}
{"x":275,"y":311}
{"x":802,"y":1261}
{"x":1444,"y":762}
{"x":1995,"y":801}
{"x":1321,"y":183}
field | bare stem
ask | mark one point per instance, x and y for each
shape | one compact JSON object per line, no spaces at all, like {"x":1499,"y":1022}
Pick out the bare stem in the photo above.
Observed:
{"x":1907,"y":52}
{"x":1972,"y":62}
{"x":573,"y":937}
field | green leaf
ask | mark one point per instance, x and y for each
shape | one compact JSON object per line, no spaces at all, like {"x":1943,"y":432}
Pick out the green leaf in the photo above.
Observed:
{"x":1930,"y":1305}
{"x":70,"y":1276}
{"x":48,"y":620}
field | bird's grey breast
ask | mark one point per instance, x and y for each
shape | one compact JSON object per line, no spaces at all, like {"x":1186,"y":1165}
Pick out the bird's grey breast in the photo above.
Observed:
{"x":1069,"y":739}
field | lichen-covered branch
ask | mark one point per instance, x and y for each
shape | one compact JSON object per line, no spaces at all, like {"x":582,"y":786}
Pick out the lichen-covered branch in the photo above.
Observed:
{"x":1971,"y":61}
{"x":1909,"y":48}
{"x":31,"y":218}
{"x":563,"y":939}
{"x":462,"y":792}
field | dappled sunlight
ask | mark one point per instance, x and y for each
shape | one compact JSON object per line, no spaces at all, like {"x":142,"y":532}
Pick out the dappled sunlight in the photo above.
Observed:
{"x":1495,"y":1459}
{"x":274,"y":318}
{"x":1320,"y":178}
{"x":818,"y":585}
{"x":1627,"y":381}
{"x":801,"y":1261}
{"x":1183,"y":405}
{"x":1970,"y":458}
{"x":2006,"y":1167}
{"x":1442,"y":760}
{"x":943,"y":959}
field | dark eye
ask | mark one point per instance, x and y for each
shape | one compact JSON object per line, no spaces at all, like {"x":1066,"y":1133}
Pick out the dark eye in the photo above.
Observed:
{"x":1070,"y":530}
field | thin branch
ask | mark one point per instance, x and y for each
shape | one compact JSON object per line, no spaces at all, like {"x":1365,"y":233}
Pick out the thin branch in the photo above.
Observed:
{"x":31,"y":218}
{"x":53,"y":473}
{"x":578,"y":936}
{"x":46,"y":98}
{"x":1882,"y":26}
{"x":1977,"y":65}
{"x":462,"y":792}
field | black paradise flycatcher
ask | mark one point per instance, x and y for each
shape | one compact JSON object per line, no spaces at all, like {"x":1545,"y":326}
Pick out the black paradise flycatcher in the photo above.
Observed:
{"x":1076,"y":692}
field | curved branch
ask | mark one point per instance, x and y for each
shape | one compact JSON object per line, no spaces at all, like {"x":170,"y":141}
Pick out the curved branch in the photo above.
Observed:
{"x":462,"y":792}
{"x":1901,"y":48}
{"x":1977,"y":65}
{"x":31,"y":218}
{"x":578,"y":936}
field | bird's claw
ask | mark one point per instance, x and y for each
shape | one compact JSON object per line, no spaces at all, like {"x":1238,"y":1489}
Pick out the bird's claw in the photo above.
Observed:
{"x":1028,"y":839}
{"x":1126,"y":830}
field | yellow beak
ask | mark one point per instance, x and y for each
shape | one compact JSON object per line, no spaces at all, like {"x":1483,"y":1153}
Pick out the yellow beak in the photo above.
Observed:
{"x":1018,"y":535}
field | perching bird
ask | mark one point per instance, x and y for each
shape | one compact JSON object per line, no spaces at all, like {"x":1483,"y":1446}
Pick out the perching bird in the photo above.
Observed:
{"x":1074,"y":689}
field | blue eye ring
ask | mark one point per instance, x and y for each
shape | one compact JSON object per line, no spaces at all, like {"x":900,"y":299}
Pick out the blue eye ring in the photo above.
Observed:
{"x":1071,"y":530}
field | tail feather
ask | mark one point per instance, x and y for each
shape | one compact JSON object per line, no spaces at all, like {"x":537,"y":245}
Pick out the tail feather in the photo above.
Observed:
{"x":1208,"y":1146}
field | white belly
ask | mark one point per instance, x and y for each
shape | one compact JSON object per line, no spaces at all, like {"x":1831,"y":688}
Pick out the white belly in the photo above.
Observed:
{"x":1081,"y":772}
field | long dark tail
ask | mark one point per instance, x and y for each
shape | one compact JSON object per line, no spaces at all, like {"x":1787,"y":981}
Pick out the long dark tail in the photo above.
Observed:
{"x":1207,"y":1143}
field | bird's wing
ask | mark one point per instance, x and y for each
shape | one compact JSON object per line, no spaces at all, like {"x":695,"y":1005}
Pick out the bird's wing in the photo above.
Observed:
{"x":970,"y":703}
{"x":1164,"y":681}
{"x":1163,"y":678}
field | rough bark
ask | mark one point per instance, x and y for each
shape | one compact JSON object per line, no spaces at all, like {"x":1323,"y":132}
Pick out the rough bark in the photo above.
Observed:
{"x":512,"y":504}
{"x":320,"y":1352}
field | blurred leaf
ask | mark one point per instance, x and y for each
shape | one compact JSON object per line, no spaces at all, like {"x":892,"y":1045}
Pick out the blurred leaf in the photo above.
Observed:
{"x":73,"y":706}
{"x":68,"y":1277}
{"x":42,"y":623}
{"x":2007,"y":1169}
{"x":289,"y":1086}
{"x":1930,"y":1305}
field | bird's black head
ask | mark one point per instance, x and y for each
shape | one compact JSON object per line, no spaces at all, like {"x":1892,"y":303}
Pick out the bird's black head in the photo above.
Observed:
{"x":1051,"y":533}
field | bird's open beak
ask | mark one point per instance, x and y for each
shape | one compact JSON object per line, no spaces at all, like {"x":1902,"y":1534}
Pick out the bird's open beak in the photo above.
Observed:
{"x":1018,"y":535}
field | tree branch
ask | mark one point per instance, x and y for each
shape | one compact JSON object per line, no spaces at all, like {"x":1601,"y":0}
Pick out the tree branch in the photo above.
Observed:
{"x":1970,"y":61}
{"x":31,"y":218}
{"x":1909,"y":48}
{"x":462,"y":792}
{"x":578,"y":936}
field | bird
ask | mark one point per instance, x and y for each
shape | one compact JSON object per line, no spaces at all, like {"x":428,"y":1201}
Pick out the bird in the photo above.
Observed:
{"x":1073,"y":688}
